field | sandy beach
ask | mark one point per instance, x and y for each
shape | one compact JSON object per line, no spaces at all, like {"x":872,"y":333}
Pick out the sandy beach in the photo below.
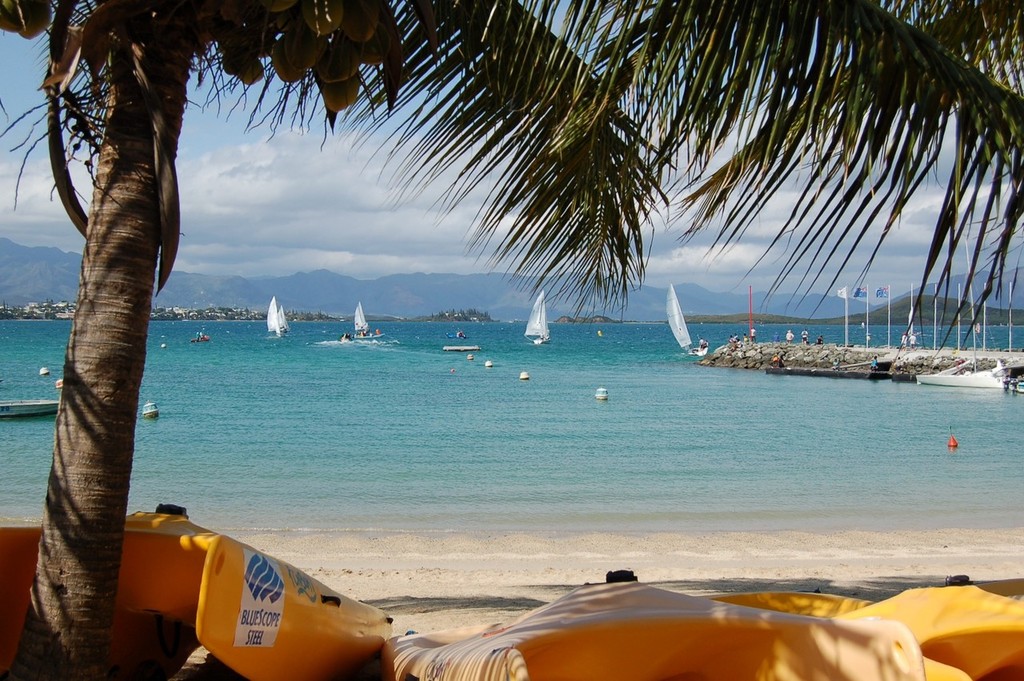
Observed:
{"x":432,"y":582}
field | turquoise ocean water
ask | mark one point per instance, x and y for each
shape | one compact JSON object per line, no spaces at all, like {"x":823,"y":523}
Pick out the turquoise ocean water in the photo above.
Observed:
{"x":305,"y":432}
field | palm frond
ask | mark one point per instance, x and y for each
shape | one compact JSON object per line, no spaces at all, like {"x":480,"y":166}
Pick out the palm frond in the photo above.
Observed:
{"x":581,"y":133}
{"x":505,"y":101}
{"x":841,"y":98}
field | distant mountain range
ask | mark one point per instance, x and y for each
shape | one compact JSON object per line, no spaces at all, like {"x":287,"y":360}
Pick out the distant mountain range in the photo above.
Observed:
{"x":37,"y":274}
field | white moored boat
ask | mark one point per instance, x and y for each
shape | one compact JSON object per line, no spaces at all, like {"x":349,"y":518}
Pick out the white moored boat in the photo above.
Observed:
{"x":15,"y":408}
{"x":961,"y":376}
{"x":537,"y":327}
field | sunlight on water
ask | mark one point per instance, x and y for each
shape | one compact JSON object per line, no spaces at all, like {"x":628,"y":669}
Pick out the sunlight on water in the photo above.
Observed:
{"x":304,"y":431}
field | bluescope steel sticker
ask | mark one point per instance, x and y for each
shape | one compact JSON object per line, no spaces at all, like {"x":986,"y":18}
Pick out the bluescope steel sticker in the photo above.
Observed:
{"x":262,"y":607}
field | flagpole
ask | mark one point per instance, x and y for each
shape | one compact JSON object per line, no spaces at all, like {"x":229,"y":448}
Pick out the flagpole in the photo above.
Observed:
{"x":888,"y":317}
{"x":910,"y":318}
{"x":867,"y":322}
{"x":750,"y":312}
{"x":1009,"y":346}
{"x":846,"y":320}
{"x":959,"y":304}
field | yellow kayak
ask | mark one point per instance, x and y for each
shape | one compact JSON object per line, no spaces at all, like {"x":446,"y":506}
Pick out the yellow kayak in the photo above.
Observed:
{"x":642,"y":633}
{"x":182,"y":586}
{"x":795,"y":602}
{"x":969,"y":628}
{"x":973,"y":632}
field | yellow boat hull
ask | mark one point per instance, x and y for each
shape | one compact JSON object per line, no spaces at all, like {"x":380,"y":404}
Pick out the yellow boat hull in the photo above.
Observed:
{"x":182,"y":586}
{"x":637,"y":632}
{"x":966,"y":633}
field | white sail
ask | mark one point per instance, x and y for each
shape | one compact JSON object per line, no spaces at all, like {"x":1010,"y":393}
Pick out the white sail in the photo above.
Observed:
{"x":282,"y":319}
{"x":537,"y":327}
{"x":675,"y":319}
{"x":360,"y":320}
{"x":276,"y":321}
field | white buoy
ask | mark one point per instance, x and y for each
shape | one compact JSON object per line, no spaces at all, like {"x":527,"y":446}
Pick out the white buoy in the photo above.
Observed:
{"x":601,"y":394}
{"x":470,"y":357}
{"x":44,"y":371}
{"x":488,"y":364}
{"x":523,"y":376}
{"x":163,"y":345}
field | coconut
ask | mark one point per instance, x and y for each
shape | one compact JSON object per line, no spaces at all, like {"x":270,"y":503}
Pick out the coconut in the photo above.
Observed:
{"x":278,"y":5}
{"x":341,"y":94}
{"x":323,"y":16}
{"x":340,"y":61}
{"x":302,"y":46}
{"x":285,"y":70}
{"x":360,"y":19}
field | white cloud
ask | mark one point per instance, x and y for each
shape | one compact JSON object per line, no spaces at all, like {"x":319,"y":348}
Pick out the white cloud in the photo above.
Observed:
{"x":298,"y":203}
{"x":253,"y":206}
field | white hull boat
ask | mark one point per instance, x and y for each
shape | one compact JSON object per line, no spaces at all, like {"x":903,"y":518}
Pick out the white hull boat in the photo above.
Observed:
{"x":359,"y":322}
{"x":361,"y":328}
{"x":537,"y":327}
{"x":677,"y":323}
{"x":16,"y":408}
{"x":961,"y":376}
{"x":277,"y":322}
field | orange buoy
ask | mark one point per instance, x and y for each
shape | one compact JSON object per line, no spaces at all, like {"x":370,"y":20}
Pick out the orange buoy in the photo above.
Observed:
{"x":953,"y":444}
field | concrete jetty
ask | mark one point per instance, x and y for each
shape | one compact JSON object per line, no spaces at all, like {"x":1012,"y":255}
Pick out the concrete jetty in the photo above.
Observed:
{"x":898,"y":361}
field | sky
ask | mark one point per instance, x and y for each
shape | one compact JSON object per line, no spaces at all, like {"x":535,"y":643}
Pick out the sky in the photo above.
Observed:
{"x":255,"y":204}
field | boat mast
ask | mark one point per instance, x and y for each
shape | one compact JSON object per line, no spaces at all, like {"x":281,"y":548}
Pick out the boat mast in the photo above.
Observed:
{"x":750,"y":312}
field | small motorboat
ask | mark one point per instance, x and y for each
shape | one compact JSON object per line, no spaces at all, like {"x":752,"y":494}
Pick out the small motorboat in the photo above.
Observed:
{"x":150,"y":410}
{"x":16,"y":408}
{"x":601,"y":394}
{"x":201,"y":338}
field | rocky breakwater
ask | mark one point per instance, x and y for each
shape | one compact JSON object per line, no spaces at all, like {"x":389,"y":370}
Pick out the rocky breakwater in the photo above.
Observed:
{"x":853,"y":358}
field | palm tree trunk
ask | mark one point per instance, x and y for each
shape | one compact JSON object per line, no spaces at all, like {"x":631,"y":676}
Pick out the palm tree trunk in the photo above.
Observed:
{"x":67,"y":628}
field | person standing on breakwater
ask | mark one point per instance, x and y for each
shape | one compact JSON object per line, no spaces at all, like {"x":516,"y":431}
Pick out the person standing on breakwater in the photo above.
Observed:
{"x":789,"y":336}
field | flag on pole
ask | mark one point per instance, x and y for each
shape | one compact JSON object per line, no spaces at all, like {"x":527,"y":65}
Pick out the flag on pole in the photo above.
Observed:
{"x":860,"y":292}
{"x":882,"y":292}
{"x":842,"y":293}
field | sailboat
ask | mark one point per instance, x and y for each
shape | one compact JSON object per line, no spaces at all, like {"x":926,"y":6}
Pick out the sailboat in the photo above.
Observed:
{"x":277,"y":322}
{"x":965,"y":374}
{"x":359,"y":321}
{"x":537,"y":327}
{"x":677,"y":323}
{"x":362,"y":329}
